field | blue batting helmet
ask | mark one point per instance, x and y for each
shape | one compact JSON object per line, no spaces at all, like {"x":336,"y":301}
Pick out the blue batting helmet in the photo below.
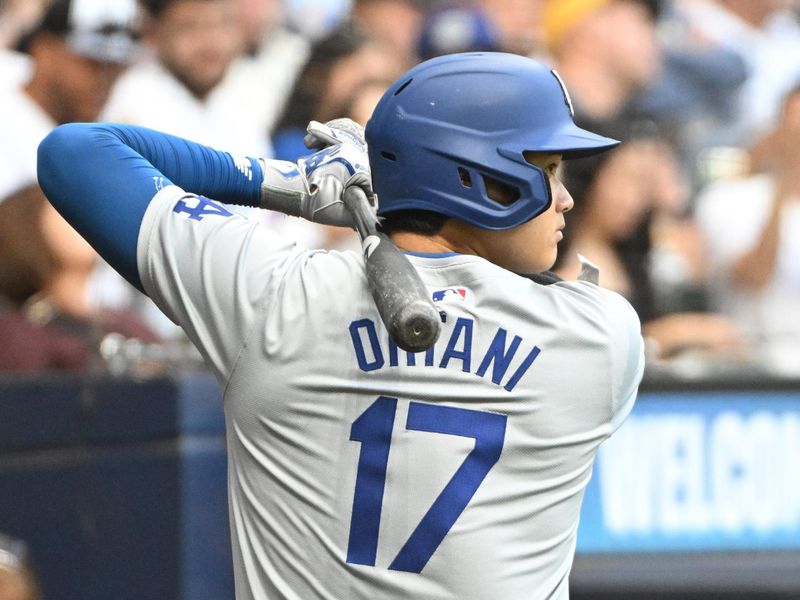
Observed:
{"x":453,"y":122}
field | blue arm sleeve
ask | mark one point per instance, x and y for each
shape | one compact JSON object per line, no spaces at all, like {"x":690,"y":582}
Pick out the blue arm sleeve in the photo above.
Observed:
{"x":101,"y":178}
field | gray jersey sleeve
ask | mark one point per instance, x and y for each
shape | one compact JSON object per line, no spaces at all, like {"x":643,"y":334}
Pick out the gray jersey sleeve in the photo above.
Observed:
{"x":209,"y":271}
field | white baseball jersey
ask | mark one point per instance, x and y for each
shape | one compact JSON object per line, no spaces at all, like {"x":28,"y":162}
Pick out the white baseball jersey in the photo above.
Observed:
{"x":360,"y":471}
{"x":24,"y":124}
{"x":148,"y":94}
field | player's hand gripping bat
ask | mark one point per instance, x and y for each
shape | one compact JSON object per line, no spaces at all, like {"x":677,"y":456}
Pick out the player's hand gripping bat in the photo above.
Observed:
{"x":315,"y":193}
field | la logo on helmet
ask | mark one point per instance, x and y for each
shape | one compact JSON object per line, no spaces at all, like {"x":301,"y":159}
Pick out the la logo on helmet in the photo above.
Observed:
{"x":567,"y":98}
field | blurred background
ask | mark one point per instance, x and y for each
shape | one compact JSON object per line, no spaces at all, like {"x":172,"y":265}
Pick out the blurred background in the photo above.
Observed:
{"x":112,"y":464}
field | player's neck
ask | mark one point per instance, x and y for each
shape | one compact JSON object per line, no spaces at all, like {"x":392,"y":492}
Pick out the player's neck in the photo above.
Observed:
{"x":415,"y":242}
{"x":429,"y":244}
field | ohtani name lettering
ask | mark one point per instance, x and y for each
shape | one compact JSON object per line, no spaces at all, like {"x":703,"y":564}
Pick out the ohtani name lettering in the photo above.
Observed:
{"x":457,"y":352}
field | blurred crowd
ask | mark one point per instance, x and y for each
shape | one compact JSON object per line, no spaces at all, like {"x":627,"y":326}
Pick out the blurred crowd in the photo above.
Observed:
{"x":695,"y":218}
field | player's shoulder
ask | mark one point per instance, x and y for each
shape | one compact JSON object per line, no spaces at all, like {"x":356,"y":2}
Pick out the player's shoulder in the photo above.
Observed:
{"x":331,"y":267}
{"x":586,"y":313}
{"x":335,"y":280}
{"x":592,"y":300}
{"x":600,"y":315}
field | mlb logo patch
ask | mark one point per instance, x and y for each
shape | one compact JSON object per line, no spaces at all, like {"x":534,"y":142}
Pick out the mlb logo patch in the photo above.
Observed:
{"x":458,"y":294}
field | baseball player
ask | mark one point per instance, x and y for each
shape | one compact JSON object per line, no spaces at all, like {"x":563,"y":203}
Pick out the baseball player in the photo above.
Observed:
{"x":358,"y":470}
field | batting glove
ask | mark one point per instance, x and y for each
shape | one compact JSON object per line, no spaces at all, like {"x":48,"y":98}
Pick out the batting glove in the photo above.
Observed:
{"x":314,"y":188}
{"x":338,"y":131}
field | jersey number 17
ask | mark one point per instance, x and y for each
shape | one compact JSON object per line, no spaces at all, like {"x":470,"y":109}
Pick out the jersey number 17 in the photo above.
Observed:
{"x":373,"y":428}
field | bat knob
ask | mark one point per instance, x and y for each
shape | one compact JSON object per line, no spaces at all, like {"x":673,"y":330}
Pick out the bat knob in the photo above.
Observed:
{"x":416,"y":326}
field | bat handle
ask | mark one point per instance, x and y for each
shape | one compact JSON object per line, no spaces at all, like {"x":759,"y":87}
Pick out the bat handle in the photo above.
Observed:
{"x":355,"y":199}
{"x":402,"y":299}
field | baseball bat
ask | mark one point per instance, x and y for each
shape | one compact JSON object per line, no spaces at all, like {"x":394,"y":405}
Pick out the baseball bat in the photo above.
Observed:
{"x":403,"y":301}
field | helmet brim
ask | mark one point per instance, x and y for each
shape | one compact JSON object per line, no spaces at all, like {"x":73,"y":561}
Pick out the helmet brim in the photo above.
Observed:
{"x":570,"y":141}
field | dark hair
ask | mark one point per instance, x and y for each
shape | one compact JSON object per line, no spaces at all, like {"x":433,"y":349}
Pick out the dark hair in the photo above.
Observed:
{"x":55,"y":21}
{"x":301,"y":106}
{"x":424,"y":222}
{"x":580,"y":176}
{"x":58,"y":20}
{"x":350,"y":102}
{"x":156,"y":7}
{"x":654,"y":7}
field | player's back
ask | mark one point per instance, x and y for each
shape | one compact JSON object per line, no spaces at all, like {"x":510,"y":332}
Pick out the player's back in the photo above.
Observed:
{"x":361,"y":471}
